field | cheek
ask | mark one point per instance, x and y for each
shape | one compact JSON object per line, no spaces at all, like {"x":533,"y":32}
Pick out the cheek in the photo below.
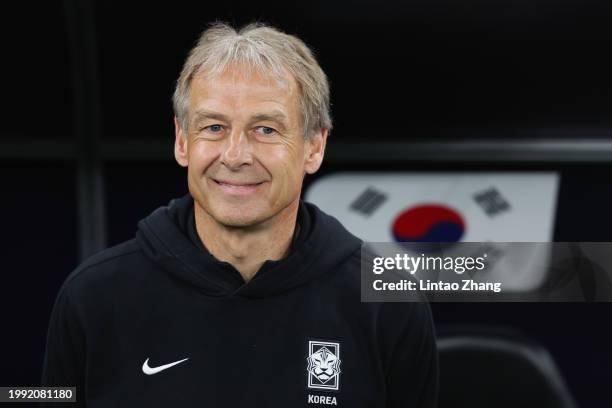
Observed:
{"x":289,"y":167}
{"x":201,"y":156}
{"x":289,"y":157}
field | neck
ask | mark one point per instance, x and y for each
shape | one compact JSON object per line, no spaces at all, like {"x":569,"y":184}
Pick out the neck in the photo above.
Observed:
{"x":247,"y":248}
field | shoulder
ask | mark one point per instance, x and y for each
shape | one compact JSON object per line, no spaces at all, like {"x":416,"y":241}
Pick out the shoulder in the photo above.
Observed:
{"x":389,"y":312}
{"x":87,"y":293}
{"x":103,"y":269}
{"x":348,"y":277}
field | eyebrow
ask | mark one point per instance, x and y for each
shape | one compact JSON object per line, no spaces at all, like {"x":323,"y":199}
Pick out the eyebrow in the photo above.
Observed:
{"x":274,"y":116}
{"x":201,"y":114}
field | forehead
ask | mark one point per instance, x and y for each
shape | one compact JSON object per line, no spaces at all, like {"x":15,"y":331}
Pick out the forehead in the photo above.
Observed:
{"x":240,"y":87}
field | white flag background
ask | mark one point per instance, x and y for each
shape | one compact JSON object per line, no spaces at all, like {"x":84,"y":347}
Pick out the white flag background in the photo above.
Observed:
{"x":492,"y":206}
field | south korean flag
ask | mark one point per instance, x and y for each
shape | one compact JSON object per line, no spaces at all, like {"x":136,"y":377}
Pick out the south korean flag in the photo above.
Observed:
{"x":449,"y":207}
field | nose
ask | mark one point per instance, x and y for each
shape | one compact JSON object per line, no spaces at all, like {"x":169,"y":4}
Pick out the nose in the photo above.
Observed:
{"x":236,"y":151}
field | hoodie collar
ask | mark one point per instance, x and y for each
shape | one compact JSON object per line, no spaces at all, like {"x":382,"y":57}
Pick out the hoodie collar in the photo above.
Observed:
{"x":188,"y":224}
{"x":169,"y":238}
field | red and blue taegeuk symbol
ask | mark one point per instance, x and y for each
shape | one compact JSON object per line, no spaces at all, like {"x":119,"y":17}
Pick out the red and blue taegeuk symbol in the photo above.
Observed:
{"x":428,"y":223}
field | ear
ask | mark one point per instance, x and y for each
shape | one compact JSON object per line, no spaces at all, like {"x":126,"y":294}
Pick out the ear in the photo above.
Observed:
{"x":180,"y":144}
{"x":315,"y":150}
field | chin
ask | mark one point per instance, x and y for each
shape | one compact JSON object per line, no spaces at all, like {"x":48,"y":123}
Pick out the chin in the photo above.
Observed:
{"x":239,"y":217}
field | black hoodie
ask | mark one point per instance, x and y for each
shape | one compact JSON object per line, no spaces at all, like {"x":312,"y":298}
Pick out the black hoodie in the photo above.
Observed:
{"x":158,"y":322}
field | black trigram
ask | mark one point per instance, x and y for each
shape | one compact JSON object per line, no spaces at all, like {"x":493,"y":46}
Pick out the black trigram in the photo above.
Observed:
{"x":368,"y":201}
{"x":491,"y":201}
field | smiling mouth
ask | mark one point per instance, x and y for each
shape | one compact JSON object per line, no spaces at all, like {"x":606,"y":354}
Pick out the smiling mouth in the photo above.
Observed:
{"x":232,"y":184}
{"x":236,"y":188}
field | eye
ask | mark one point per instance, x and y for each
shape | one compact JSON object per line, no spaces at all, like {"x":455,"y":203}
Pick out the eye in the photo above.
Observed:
{"x":213,"y":128}
{"x":265,"y":130}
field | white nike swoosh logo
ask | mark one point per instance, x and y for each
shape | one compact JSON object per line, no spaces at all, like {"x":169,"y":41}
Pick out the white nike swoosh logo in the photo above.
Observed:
{"x":154,"y":370}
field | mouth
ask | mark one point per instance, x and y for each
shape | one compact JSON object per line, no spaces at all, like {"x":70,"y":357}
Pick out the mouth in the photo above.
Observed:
{"x":237,"y":188}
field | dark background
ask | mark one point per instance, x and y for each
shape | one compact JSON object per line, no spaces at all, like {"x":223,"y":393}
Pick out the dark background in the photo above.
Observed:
{"x":86,"y":108}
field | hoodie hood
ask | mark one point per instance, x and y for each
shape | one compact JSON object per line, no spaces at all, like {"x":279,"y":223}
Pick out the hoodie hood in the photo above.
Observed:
{"x":322,"y":243}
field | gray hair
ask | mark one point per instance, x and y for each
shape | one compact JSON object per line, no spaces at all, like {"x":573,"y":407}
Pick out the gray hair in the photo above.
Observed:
{"x":267,"y":50}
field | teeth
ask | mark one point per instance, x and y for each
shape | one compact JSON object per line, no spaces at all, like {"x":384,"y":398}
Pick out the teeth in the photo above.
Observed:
{"x":238,"y":185}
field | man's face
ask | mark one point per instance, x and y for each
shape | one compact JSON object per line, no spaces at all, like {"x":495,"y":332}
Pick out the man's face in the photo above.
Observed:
{"x":245,"y":150}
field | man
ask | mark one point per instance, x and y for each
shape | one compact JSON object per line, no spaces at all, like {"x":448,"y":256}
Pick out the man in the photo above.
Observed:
{"x":239,"y":294}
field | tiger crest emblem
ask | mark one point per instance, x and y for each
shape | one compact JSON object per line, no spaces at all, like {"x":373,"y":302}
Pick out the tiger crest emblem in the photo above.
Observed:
{"x":323,"y":365}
